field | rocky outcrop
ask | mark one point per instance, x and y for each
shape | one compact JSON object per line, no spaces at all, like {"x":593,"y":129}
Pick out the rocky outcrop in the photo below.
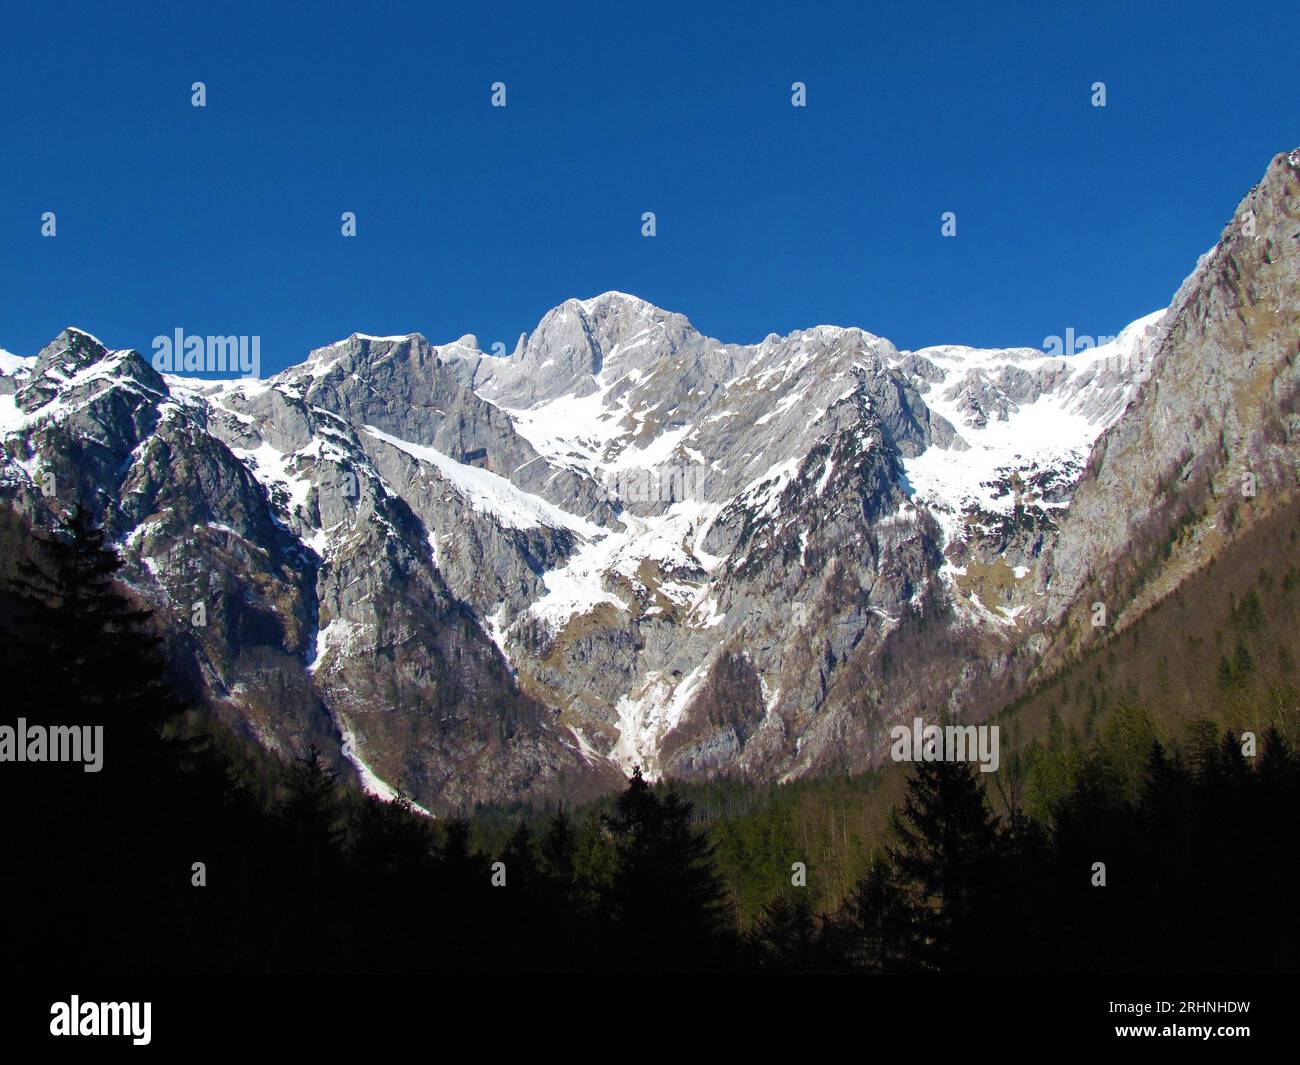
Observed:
{"x":479,"y":578}
{"x":1210,"y":440}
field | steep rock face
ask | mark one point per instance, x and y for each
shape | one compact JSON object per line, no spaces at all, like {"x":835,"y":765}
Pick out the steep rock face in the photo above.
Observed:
{"x":845,"y":495}
{"x":1217,"y":420}
{"x":102,"y":430}
{"x":421,"y":394}
{"x":576,"y":342}
{"x":797,"y":555}
{"x":303,"y":586}
{"x":484,"y":579}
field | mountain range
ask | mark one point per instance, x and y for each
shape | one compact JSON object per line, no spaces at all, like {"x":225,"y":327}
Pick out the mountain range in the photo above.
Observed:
{"x":474,"y":578}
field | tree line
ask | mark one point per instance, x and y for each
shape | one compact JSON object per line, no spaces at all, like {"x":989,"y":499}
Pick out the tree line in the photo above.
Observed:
{"x":189,"y":852}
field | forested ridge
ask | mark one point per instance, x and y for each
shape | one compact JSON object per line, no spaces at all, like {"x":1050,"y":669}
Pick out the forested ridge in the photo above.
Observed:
{"x":193,"y":852}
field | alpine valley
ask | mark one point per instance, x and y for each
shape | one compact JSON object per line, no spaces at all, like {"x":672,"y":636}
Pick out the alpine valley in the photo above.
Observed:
{"x":483,"y":579}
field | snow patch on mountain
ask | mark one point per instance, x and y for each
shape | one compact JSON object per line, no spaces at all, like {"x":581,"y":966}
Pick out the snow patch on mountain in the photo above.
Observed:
{"x":274,"y":468}
{"x":11,"y":364}
{"x":370,"y":782}
{"x":491,"y":493}
{"x":1055,"y":430}
{"x":648,"y":714}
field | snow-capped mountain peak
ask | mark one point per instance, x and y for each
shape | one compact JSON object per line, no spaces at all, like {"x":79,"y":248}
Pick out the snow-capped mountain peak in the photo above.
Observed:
{"x":629,"y":543}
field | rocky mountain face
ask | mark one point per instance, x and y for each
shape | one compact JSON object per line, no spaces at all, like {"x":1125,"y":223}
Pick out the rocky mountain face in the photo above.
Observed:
{"x":485,"y":579}
{"x":1209,"y":443}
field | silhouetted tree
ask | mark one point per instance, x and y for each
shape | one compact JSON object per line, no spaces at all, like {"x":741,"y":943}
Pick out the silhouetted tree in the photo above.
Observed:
{"x":666,"y":904}
{"x":946,"y":844}
{"x":81,"y":656}
{"x":881,"y":916}
{"x":785,"y":939}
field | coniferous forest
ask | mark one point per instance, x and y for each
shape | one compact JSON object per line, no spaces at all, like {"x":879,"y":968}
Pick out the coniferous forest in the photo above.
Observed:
{"x":192,"y":852}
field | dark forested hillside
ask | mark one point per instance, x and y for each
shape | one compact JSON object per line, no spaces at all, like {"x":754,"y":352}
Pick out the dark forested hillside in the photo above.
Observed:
{"x":188,"y":852}
{"x":1219,"y":653}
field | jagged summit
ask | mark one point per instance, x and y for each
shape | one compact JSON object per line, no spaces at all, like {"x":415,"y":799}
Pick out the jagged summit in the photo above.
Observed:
{"x":613,"y":296}
{"x":605,"y":314}
{"x":482,"y":578}
{"x":531,"y":490}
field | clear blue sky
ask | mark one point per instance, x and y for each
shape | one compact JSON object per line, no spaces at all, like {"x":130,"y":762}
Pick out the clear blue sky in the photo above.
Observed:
{"x":474,"y":219}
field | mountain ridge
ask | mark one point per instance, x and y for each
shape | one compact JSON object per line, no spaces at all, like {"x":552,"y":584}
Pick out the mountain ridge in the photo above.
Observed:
{"x":472,"y":577}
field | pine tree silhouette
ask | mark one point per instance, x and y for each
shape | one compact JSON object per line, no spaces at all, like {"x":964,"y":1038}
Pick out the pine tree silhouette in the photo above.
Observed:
{"x":881,"y":916}
{"x":785,"y":939}
{"x":82,"y":656}
{"x":666,"y":903}
{"x":88,"y":655}
{"x":947,"y":841}
{"x":520,"y":858}
{"x":313,"y":812}
{"x":559,"y":851}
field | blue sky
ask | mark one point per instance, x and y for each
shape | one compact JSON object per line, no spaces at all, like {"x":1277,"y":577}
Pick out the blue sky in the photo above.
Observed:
{"x":474,"y":219}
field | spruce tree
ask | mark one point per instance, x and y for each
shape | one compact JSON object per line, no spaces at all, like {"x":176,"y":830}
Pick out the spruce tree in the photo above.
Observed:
{"x":89,"y":655}
{"x":559,"y":851}
{"x":667,"y":905}
{"x":785,"y":937}
{"x":313,"y":813}
{"x":947,"y":840}
{"x":882,"y":921}
{"x":81,"y":655}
